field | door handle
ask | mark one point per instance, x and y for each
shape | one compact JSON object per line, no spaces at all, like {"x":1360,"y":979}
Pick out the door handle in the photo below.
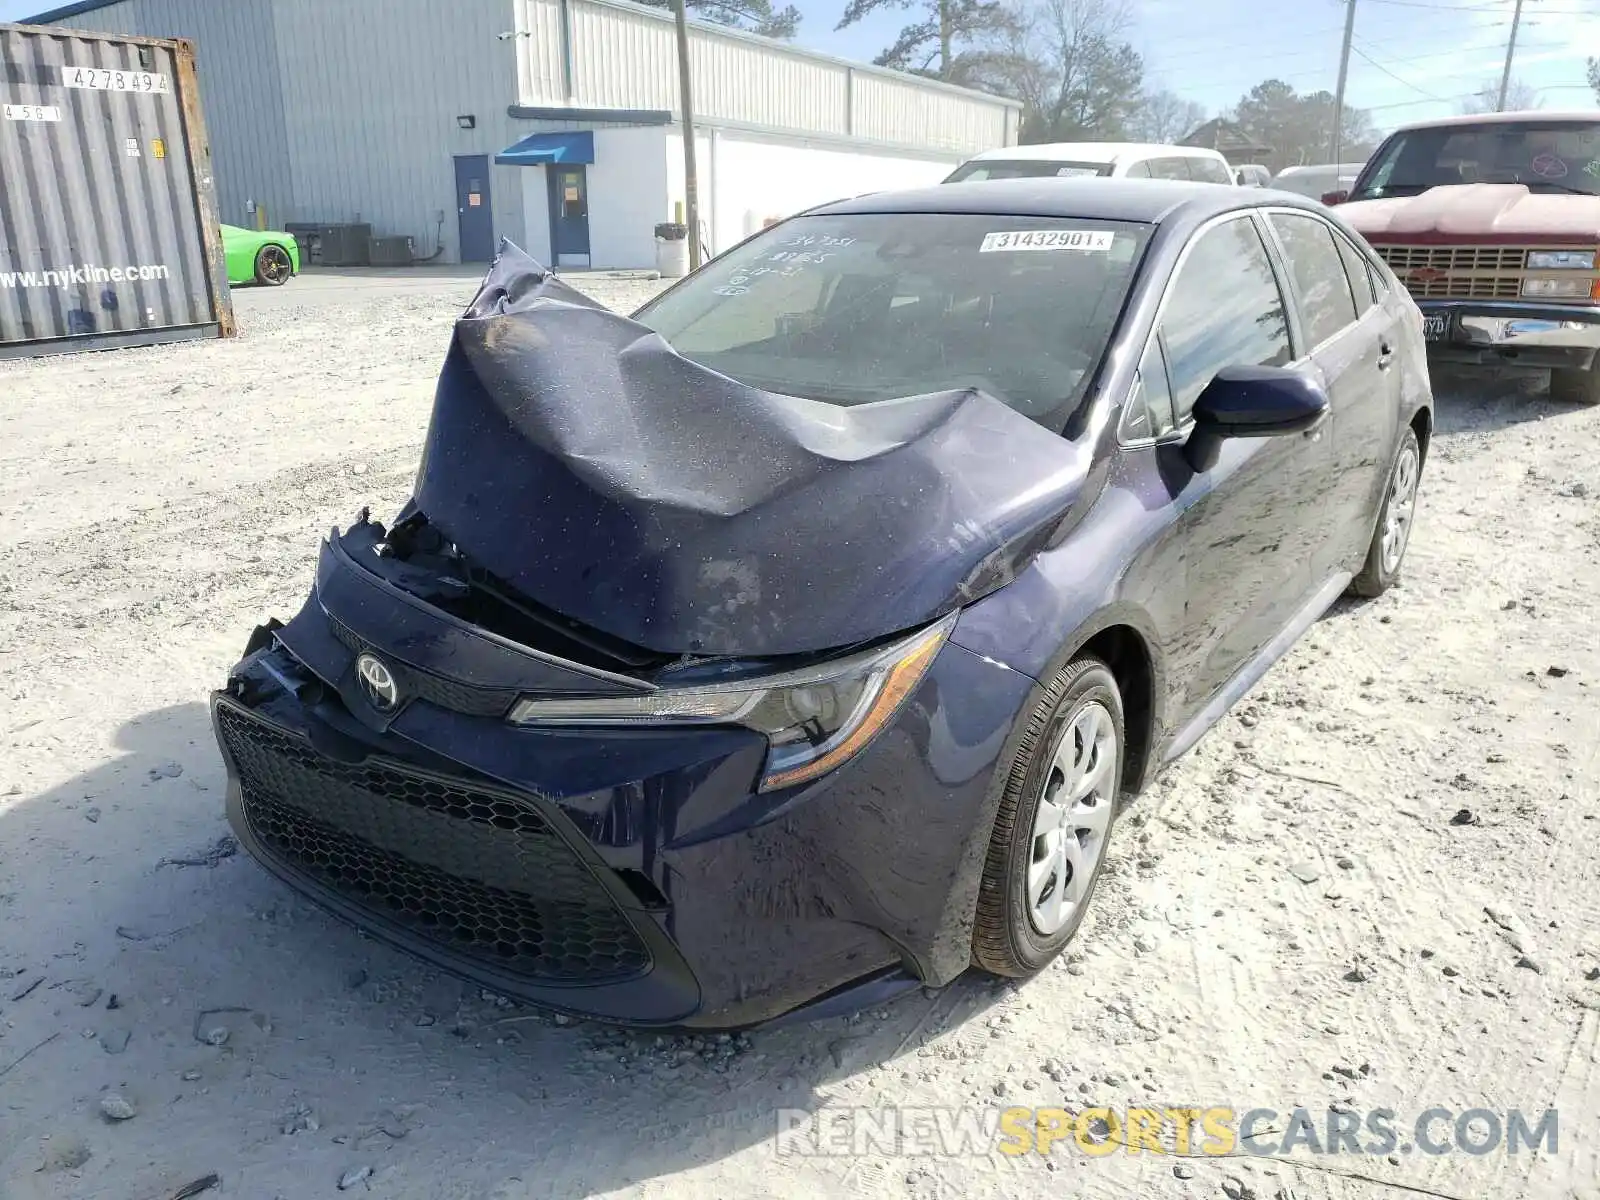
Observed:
{"x":1385,"y":356}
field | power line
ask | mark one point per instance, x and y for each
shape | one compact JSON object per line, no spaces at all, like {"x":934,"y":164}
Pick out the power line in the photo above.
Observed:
{"x":1469,"y":8}
{"x":1397,"y":79}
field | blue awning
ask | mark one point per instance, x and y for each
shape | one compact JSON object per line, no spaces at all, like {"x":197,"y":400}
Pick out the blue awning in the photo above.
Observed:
{"x":540,"y":149}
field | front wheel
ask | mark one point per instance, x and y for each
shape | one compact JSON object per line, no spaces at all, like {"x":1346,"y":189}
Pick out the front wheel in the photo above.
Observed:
{"x":1053,"y":824}
{"x":273,"y":267}
{"x":1393,"y":534}
{"x":1574,"y":386}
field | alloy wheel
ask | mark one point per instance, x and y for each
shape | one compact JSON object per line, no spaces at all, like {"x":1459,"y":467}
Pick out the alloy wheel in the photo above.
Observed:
{"x":1073,"y":818}
{"x":1401,"y":506}
{"x":274,"y":264}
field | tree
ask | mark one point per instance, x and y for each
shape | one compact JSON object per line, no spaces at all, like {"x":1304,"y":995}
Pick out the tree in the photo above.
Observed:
{"x":1300,"y":128}
{"x":1067,"y":61}
{"x":944,"y":44}
{"x":1164,"y":116}
{"x":1594,"y":76}
{"x":1520,"y":96}
{"x":753,"y":16}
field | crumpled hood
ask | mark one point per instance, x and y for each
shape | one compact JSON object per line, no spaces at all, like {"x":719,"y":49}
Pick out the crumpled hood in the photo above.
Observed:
{"x":1491,"y":212}
{"x":577,"y":457}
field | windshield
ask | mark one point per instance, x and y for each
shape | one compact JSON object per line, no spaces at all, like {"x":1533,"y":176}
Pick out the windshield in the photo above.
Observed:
{"x":858,"y":308}
{"x":1023,"y":168}
{"x":1545,"y":155}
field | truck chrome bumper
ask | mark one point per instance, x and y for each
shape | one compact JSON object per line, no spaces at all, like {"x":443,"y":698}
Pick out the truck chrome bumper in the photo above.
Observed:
{"x":1537,"y":334}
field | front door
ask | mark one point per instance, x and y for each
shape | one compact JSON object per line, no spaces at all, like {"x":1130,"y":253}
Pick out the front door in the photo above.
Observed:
{"x":475,"y":214}
{"x":569,"y":216}
{"x":1347,"y":332}
{"x":1254,"y":523}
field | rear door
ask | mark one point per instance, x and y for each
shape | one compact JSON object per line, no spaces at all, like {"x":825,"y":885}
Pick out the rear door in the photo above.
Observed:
{"x":1253,"y":524}
{"x":1352,"y":344}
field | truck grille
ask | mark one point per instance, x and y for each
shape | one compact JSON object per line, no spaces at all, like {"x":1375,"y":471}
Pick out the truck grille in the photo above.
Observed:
{"x":475,"y":868}
{"x":1462,"y":272}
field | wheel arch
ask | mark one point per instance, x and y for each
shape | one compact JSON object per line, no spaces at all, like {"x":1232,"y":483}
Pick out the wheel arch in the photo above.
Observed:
{"x":1422,"y":426}
{"x":1121,"y":636}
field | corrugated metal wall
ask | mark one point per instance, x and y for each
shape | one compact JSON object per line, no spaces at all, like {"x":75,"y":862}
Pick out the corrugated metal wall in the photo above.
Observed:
{"x":624,"y":56}
{"x":329,"y":111}
{"x":372,"y":92}
{"x":101,"y":230}
{"x":333,"y":111}
{"x":240,"y":90}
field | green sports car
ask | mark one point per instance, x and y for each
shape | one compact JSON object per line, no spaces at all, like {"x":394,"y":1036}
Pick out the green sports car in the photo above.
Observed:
{"x":267,"y":258}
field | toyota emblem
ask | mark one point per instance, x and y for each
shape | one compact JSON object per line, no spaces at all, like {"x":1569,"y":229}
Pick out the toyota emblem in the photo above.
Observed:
{"x":377,"y":681}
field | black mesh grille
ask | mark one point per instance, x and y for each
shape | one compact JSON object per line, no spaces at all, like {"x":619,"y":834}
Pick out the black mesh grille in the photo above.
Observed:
{"x":446,"y":693}
{"x":477,"y":869}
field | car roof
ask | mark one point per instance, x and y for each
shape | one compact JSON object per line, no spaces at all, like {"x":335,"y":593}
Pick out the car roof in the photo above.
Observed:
{"x":1149,"y":201}
{"x":1104,"y":152}
{"x":1590,"y":116}
{"x":1308,"y":168}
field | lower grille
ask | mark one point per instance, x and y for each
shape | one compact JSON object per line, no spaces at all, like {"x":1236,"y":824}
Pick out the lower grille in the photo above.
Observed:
{"x":474,"y":868}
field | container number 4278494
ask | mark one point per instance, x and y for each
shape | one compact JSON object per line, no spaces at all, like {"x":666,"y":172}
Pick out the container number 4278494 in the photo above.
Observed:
{"x":102,"y":80}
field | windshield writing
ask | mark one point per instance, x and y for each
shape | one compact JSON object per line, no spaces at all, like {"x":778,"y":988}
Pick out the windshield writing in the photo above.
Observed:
{"x":856,"y":309}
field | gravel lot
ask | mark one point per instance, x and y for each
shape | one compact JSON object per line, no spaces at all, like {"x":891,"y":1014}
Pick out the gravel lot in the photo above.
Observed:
{"x":1375,"y":884}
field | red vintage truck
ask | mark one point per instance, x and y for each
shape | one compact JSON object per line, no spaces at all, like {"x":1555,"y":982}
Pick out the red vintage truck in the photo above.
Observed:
{"x":1493,"y":223}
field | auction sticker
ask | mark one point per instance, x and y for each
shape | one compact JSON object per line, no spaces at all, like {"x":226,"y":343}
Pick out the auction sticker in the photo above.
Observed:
{"x":1089,"y":241}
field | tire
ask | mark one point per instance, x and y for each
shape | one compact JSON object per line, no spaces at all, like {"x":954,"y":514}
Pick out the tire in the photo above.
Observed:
{"x":1384,"y":561}
{"x":1572,"y":386}
{"x":273,"y":266}
{"x":1008,"y":938}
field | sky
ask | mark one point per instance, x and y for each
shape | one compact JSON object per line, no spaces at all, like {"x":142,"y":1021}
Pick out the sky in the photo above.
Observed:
{"x":1413,"y":59}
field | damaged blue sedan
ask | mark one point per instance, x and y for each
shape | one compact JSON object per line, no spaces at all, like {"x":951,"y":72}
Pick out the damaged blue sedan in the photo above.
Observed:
{"x":794,"y":641}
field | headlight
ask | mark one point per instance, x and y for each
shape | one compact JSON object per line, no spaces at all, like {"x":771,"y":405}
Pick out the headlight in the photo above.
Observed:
{"x":814,"y":719}
{"x":1561,"y":260}
{"x":1556,"y":287}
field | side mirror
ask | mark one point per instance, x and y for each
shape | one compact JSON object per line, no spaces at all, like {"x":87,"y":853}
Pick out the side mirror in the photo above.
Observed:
{"x":1332,"y":198}
{"x":1252,"y":402}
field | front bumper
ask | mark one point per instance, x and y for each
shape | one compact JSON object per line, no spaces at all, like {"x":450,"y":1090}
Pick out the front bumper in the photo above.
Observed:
{"x":1514,"y":331}
{"x":627,"y":875}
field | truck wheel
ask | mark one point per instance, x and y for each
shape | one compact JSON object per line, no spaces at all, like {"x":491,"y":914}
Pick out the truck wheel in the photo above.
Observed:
{"x":1575,"y":386}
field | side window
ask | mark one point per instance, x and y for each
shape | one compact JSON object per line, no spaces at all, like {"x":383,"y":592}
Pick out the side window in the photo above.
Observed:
{"x":1325,"y":300}
{"x":1149,"y":409}
{"x":1169,"y":168}
{"x":1139,"y":170}
{"x":1209,"y":170}
{"x":1359,"y":270}
{"x":1224,"y":309}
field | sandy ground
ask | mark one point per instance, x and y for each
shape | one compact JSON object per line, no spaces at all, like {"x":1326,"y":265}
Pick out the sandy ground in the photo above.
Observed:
{"x":1374,"y":885}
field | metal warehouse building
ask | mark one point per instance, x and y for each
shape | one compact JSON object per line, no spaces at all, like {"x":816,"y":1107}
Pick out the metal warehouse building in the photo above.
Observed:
{"x":552,"y":122}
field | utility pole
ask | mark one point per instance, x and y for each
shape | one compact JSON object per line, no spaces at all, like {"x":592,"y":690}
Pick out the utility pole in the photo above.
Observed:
{"x":1344,"y":72}
{"x":1511,"y":50}
{"x":691,"y":182}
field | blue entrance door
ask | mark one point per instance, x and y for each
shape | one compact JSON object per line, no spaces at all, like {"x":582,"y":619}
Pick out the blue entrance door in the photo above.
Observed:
{"x":569,"y":214}
{"x":472,"y":203}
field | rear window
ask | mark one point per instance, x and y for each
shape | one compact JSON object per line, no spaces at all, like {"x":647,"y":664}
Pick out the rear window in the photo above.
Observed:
{"x":852,"y":309}
{"x":1209,"y":170}
{"x":1553,"y":156}
{"x":1023,"y":169}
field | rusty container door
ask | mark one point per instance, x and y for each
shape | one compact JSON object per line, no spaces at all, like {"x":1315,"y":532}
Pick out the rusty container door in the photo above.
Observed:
{"x":108,"y":219}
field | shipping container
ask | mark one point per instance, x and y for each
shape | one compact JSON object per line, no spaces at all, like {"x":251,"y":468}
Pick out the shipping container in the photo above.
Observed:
{"x":108,"y":218}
